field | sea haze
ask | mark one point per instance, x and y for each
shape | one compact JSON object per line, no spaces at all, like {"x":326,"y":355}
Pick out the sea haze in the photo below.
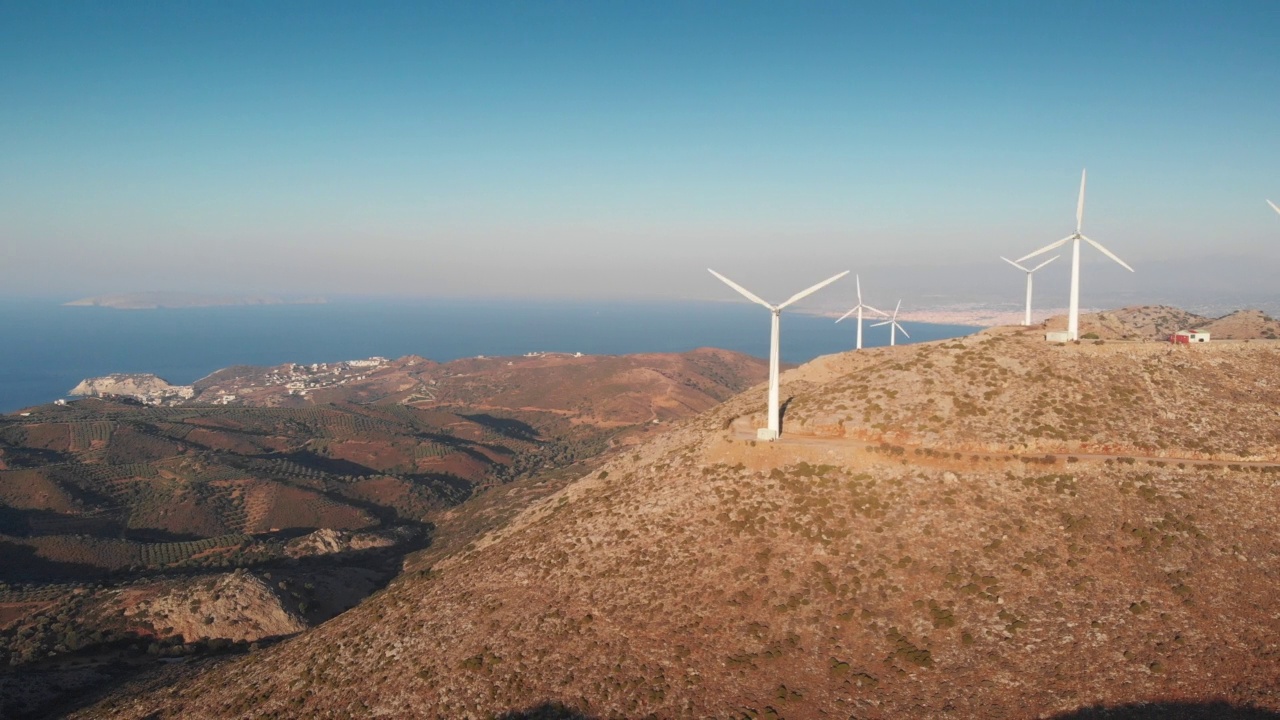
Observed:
{"x":48,"y":348}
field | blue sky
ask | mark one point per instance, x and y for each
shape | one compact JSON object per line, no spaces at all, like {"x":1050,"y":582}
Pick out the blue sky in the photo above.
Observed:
{"x":617,"y":149}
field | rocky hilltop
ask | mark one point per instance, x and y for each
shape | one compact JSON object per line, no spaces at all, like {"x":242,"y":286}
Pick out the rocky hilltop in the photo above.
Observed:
{"x":1158,"y":322}
{"x":901,"y":552}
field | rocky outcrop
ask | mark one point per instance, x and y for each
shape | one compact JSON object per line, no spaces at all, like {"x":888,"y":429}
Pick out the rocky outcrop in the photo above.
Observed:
{"x":327,"y":541}
{"x":236,"y":606}
{"x":140,"y":386}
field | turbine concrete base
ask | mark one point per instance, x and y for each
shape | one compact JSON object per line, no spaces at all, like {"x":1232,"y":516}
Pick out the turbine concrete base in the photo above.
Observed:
{"x":766,"y":434}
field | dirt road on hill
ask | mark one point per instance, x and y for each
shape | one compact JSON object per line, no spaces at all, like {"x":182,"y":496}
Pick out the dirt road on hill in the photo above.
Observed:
{"x":739,"y":432}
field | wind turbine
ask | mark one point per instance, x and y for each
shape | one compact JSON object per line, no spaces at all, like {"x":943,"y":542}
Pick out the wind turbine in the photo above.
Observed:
{"x":859,"y":308}
{"x":1027,"y":319}
{"x":894,"y":327}
{"x":1073,"y":313}
{"x":771,"y":433}
{"x":1273,"y":206}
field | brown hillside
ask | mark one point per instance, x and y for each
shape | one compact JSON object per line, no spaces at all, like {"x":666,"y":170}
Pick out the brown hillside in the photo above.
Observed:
{"x":705,"y":575}
{"x":104,"y":501}
{"x":623,"y":389}
{"x":1158,"y":322}
{"x":1139,"y":322}
{"x":1005,"y":389}
{"x":1244,"y":325}
{"x":606,"y":390}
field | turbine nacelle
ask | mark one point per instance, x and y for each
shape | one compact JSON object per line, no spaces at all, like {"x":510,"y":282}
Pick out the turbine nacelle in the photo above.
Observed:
{"x":777,"y":308}
{"x":1025,"y":270}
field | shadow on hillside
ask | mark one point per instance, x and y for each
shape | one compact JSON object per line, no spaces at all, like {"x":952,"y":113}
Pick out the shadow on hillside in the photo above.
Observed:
{"x":30,"y":522}
{"x":507,"y":427}
{"x":1216,"y":710}
{"x":331,"y":466}
{"x":21,"y":457}
{"x":158,"y":535}
{"x":782,"y":414}
{"x":545,"y":711}
{"x":23,"y":564}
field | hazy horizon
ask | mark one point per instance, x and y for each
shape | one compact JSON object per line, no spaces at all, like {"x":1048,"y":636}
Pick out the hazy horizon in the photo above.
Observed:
{"x":1212,"y":284}
{"x":617,"y":151}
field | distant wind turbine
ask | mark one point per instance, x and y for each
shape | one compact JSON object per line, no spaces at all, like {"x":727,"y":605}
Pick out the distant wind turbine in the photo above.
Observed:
{"x":859,"y":308}
{"x":894,"y":327}
{"x":1273,"y":206}
{"x":1073,"y":313}
{"x":771,"y":433}
{"x":1027,"y":318}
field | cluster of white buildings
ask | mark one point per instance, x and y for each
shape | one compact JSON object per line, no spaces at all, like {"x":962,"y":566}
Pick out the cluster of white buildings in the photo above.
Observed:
{"x":301,"y":379}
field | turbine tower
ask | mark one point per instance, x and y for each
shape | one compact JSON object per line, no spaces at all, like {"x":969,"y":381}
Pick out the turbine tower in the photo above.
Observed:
{"x":859,"y":308}
{"x":771,"y":433}
{"x":1273,"y":206}
{"x":894,"y":327}
{"x":1027,"y":318}
{"x":1073,"y":312}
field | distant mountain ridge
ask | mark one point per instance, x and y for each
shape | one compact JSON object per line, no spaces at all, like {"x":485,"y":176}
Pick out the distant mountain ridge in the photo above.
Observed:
{"x":177,"y":300}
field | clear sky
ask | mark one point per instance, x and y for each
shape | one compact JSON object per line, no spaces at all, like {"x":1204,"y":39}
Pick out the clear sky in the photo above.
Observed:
{"x":618,"y":149}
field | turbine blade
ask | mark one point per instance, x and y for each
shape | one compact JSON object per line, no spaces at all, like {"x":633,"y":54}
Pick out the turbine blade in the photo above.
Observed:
{"x":857,"y":280}
{"x":902,"y":330}
{"x":1108,"y":253}
{"x":885,"y":322}
{"x":1080,"y":205}
{"x":1273,"y":206}
{"x":868,"y":307}
{"x":1046,"y":262}
{"x":895,"y":312}
{"x":812,"y":290}
{"x":1014,"y":264}
{"x":745,"y":292}
{"x":852,"y":311}
{"x":1047,"y":248}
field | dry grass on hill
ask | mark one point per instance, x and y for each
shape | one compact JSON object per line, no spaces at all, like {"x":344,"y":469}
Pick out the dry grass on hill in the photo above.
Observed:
{"x":1007,"y":390}
{"x":1158,"y":322}
{"x":705,"y":576}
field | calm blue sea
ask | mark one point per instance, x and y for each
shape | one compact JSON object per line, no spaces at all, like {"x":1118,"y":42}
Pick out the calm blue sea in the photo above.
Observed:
{"x":45,"y":348}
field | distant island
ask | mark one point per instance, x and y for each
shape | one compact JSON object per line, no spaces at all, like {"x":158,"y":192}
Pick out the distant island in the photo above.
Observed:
{"x":156,"y":300}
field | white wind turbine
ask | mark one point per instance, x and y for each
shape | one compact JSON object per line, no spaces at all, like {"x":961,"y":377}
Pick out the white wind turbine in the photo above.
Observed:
{"x":859,"y":308}
{"x":771,"y":433}
{"x":894,"y":327}
{"x":1273,"y":206}
{"x":1073,"y":312}
{"x":1027,"y":318}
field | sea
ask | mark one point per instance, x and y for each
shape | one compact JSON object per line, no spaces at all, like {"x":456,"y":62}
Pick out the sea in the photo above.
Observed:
{"x":47,"y":348}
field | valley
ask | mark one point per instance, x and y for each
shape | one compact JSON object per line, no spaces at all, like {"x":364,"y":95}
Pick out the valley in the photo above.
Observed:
{"x":135,"y":534}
